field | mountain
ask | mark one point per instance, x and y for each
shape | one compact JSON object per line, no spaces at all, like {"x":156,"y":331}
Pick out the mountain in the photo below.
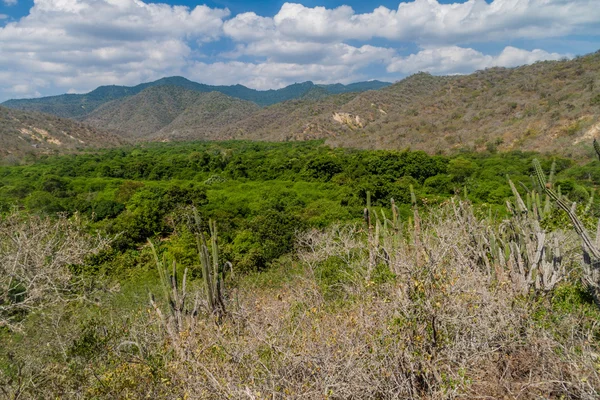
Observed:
{"x":170,"y":112}
{"x":81,"y":105}
{"x":551,"y":106}
{"x":331,"y":116}
{"x":30,"y":133}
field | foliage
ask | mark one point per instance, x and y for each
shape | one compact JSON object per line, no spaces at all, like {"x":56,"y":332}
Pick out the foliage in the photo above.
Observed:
{"x":437,"y":297}
{"x":265,"y":191}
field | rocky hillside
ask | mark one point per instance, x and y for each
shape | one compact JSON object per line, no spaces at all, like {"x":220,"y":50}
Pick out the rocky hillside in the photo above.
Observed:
{"x":28,"y":133}
{"x":81,"y":105}
{"x":170,"y":112}
{"x":547,"y":106}
{"x":551,"y":106}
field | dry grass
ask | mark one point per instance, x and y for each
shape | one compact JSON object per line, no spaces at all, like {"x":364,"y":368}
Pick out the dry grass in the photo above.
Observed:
{"x":431,"y":320}
{"x":445,"y":329}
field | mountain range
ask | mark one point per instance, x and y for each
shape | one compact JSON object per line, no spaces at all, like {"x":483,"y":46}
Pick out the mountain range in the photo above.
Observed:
{"x":170,"y":112}
{"x":81,"y":105}
{"x":550,"y":106}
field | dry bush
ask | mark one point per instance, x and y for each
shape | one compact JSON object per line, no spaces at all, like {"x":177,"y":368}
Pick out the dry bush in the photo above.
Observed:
{"x":443,"y":326}
{"x":35,"y":255}
{"x":431,"y":320}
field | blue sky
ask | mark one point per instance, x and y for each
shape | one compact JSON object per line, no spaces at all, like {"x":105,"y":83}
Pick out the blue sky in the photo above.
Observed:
{"x":56,"y":46}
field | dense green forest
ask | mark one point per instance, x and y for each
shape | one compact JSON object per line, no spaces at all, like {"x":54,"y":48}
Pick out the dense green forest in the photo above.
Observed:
{"x":261,"y":193}
{"x":449,"y":262}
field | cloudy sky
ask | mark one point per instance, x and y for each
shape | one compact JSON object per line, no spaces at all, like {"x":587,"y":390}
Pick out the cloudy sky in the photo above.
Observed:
{"x":56,"y":46}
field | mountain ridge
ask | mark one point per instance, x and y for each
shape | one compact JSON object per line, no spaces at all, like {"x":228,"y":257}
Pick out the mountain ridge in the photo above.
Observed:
{"x":549,"y":106}
{"x":170,"y":112}
{"x":25,"y":133}
{"x":79,"y":106}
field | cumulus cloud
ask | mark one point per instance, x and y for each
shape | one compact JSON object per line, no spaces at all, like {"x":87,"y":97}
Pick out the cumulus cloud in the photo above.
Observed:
{"x":290,"y":51}
{"x":249,"y":27}
{"x":10,"y":2}
{"x":270,"y":75}
{"x":427,"y":21}
{"x":80,"y":44}
{"x":459,"y":60}
{"x":86,"y":43}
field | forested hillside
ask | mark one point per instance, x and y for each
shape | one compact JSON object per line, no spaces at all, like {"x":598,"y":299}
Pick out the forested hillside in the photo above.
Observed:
{"x":548,"y":106}
{"x":170,"y":112}
{"x":551,"y":106}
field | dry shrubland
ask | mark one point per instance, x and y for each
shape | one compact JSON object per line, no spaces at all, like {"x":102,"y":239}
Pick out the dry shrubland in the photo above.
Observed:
{"x":400,"y":310}
{"x":35,"y":256}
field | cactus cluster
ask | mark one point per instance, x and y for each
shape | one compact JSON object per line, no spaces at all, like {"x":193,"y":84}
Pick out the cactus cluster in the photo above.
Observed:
{"x":175,"y":293}
{"x":212,"y":270}
{"x":386,"y":236}
{"x":181,"y":315}
{"x":591,"y":248}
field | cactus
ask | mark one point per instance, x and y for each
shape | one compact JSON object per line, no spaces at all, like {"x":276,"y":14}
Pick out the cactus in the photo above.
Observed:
{"x":597,"y":148}
{"x":591,"y":251}
{"x":384,"y":236}
{"x":181,"y":316}
{"x":417,"y":226}
{"x":372,"y":240}
{"x":174,"y":294}
{"x":212,"y":271}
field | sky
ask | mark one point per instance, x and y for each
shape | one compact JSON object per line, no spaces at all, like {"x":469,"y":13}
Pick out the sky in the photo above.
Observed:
{"x":50,"y":47}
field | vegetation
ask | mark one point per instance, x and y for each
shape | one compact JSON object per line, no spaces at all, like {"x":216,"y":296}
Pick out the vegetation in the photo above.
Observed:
{"x":170,"y":112}
{"x":81,"y":105}
{"x":283,"y":270}
{"x":461,"y":266}
{"x":548,"y":106}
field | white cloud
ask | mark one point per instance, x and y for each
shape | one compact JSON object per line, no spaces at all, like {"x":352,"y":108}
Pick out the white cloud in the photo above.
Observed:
{"x":80,"y":44}
{"x":426,"y":21}
{"x":289,"y":51}
{"x":249,"y":27}
{"x":87,"y":43}
{"x":10,"y":2}
{"x":459,"y":60}
{"x":269,"y":75}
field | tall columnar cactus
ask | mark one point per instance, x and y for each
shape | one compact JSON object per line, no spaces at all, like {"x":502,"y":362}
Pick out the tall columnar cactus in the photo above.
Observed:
{"x":384,"y":236}
{"x":417,"y":226}
{"x":212,"y":270}
{"x":179,"y":317}
{"x":591,"y":249}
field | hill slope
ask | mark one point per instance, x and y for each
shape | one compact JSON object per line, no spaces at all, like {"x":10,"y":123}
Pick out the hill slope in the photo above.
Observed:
{"x":81,"y":105}
{"x":547,"y":106}
{"x":28,"y":133}
{"x":167,"y":112}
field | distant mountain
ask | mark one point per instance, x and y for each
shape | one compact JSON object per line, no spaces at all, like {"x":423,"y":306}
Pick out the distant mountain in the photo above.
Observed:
{"x":548,"y":106}
{"x":81,"y":105}
{"x":170,"y":112}
{"x":338,"y":88}
{"x":30,"y":133}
